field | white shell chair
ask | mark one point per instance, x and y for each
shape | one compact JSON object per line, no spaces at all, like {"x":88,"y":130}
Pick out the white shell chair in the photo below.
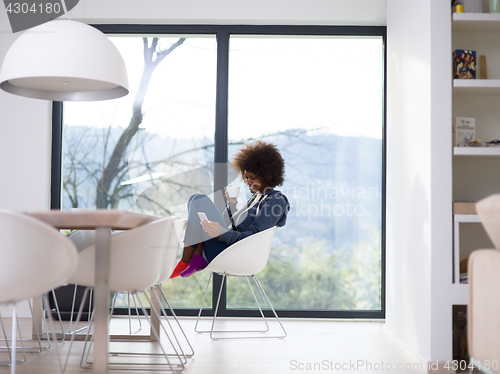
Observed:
{"x":169,"y":262}
{"x":245,"y":258}
{"x":83,"y":239}
{"x":135,"y":264}
{"x":35,"y":259}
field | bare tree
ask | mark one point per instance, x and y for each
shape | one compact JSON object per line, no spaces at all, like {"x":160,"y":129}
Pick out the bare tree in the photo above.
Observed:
{"x":116,"y":165}
{"x":101,"y":161}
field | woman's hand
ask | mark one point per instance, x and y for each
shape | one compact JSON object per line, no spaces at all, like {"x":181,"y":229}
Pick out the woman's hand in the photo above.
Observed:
{"x":212,"y":228}
{"x":232,"y":200}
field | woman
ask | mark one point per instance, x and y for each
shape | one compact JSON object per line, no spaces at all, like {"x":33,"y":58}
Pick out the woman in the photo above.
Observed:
{"x":262,"y":169}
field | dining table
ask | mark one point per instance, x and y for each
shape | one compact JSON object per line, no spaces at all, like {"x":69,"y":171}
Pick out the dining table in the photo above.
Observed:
{"x":103,"y":221}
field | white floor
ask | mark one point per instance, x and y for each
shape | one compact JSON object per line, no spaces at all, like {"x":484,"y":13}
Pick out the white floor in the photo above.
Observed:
{"x":311,"y":347}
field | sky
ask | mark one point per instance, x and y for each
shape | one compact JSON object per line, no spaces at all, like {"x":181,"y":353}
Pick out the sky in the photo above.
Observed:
{"x":275,"y":83}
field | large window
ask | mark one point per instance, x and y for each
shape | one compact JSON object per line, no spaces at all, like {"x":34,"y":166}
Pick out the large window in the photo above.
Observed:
{"x":198,"y":94}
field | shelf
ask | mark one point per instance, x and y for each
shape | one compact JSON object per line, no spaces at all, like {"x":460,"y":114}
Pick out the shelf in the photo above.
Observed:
{"x":476,"y":152}
{"x":480,"y":87}
{"x":458,"y":289}
{"x":476,"y":22}
{"x":464,"y":218}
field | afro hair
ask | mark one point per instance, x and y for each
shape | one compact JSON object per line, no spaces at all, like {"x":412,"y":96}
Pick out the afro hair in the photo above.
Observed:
{"x":262,"y":159}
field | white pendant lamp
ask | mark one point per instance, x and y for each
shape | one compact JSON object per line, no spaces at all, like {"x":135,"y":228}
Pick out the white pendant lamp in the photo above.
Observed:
{"x":64,"y":61}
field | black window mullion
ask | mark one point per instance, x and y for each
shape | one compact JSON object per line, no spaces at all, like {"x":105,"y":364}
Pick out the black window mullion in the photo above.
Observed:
{"x":56,"y":156}
{"x":221,"y":144}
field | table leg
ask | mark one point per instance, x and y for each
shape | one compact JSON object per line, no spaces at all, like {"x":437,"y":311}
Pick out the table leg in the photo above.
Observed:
{"x":155,"y":322}
{"x":37,"y":318}
{"x":101,"y":301}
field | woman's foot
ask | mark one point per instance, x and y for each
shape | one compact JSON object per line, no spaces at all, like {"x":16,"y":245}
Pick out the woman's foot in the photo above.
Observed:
{"x":197,"y":263}
{"x":179,"y":268}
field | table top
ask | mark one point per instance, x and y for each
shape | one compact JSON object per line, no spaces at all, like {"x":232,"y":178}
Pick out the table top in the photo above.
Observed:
{"x":91,"y":219}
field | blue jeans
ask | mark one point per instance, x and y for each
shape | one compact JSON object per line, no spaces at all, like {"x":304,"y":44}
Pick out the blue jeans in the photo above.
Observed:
{"x":194,"y":231}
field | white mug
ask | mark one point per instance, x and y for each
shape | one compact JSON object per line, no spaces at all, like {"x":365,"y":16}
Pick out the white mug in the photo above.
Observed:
{"x":233,"y":191}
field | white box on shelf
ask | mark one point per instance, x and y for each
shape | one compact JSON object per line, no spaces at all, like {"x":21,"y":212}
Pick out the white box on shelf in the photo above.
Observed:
{"x":464,"y":130}
{"x":473,"y":6}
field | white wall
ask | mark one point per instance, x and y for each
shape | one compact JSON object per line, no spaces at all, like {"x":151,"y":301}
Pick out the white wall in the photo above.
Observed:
{"x":233,"y":11}
{"x":418,"y":310}
{"x":24,"y":149}
{"x":24,"y":143}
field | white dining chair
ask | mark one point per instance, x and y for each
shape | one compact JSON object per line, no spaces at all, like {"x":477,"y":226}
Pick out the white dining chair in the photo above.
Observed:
{"x":35,"y":258}
{"x":245,"y":258}
{"x":83,"y":239}
{"x":169,"y":262}
{"x":135,"y":264}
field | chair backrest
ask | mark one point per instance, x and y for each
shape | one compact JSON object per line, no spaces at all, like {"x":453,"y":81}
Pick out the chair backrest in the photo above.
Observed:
{"x":246,"y":257}
{"x":34,"y":257}
{"x":175,"y":238}
{"x":135,"y":258}
{"x":488,"y":210}
{"x":82,"y":238}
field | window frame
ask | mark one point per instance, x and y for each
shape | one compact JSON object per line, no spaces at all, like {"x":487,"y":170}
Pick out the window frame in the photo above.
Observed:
{"x":223,"y":33}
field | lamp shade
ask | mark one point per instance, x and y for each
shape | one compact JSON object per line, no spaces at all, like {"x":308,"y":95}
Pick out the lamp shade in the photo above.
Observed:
{"x":64,"y":61}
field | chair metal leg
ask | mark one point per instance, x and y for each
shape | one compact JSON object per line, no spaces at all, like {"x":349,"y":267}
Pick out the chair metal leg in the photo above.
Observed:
{"x":182,"y":359}
{"x":38,"y":340}
{"x":201,"y":309}
{"x":17,"y":326}
{"x":70,"y":331}
{"x":80,"y":311}
{"x":217,"y":307}
{"x":172,"y":367}
{"x":58,"y":313}
{"x":6,"y":343}
{"x":14,"y":338}
{"x":10,"y":349}
{"x":164,"y":297}
{"x":13,"y":351}
{"x":266,"y":300}
{"x":54,"y":337}
{"x":271,"y":305}
{"x":179,"y":352}
{"x":130,"y":316}
{"x":168,"y":366}
{"x":38,"y":335}
{"x":161,"y":296}
{"x":79,"y":315}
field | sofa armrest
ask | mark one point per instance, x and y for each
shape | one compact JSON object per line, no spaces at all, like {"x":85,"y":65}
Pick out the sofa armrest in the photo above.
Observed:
{"x":483,"y":324}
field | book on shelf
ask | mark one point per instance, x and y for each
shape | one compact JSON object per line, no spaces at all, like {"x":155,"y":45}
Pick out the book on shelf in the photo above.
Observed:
{"x":463,"y":131}
{"x":464,"y":207}
{"x":464,"y":64}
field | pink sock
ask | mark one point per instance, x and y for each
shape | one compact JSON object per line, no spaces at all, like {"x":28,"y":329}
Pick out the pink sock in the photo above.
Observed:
{"x":197,"y":263}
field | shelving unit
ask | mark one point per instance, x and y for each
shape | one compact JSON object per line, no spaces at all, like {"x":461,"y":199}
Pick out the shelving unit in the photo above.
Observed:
{"x":457,"y":220}
{"x":476,"y":22}
{"x":479,"y":87}
{"x":477,"y":98}
{"x":476,"y":152}
{"x":460,"y":292}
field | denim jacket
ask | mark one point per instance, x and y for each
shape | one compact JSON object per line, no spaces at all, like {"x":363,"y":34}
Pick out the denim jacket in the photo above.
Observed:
{"x":271,"y":210}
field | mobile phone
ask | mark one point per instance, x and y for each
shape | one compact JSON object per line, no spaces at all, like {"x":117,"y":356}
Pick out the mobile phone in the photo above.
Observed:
{"x":202,"y":216}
